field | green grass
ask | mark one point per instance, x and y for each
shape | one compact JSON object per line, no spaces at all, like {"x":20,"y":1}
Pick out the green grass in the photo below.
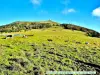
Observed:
{"x":19,"y":56}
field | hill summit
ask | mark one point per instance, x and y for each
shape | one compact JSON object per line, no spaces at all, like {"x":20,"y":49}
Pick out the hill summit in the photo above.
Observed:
{"x":26,"y":25}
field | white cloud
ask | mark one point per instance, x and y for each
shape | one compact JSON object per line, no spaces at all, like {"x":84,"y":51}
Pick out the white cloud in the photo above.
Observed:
{"x":36,"y":2}
{"x":71,"y":10}
{"x":96,"y":12}
{"x":66,"y":11}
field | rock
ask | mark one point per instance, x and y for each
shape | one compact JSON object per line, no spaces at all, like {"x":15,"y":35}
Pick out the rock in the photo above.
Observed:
{"x":75,"y":48}
{"x":59,"y":55}
{"x":87,"y":43}
{"x":43,"y":44}
{"x":9,"y":67}
{"x":24,"y":36}
{"x":23,"y":64}
{"x":29,"y":71}
{"x":30,"y":35}
{"x":66,"y":40}
{"x":52,"y":48}
{"x":35,"y":68}
{"x":78,"y":42}
{"x":28,"y":54}
{"x":51,"y":52}
{"x":32,"y":45}
{"x":94,"y":52}
{"x":36,"y":73}
{"x":44,"y":47}
{"x":43,"y":56}
{"x":94,"y":43}
{"x":13,"y":59}
{"x":49,"y":39}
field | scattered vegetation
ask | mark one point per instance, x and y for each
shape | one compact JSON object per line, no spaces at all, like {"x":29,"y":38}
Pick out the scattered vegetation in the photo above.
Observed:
{"x":24,"y":26}
{"x":89,"y":32}
{"x":50,"y":49}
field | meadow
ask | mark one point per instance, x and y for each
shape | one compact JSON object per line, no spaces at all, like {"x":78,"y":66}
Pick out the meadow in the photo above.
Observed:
{"x":49,"y":49}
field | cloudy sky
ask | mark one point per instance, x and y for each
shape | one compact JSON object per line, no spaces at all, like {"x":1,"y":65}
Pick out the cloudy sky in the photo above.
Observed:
{"x":85,"y":13}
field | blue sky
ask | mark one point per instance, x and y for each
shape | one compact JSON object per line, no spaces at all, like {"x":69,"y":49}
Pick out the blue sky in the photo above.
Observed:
{"x":85,"y":13}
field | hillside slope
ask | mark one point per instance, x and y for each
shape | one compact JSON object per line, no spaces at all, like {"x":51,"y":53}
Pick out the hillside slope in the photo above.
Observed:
{"x":51,"y":49}
{"x":24,"y":26}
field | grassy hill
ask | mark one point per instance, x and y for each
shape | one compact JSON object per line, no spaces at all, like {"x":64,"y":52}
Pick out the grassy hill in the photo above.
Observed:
{"x":25,"y":26}
{"x":50,"y":49}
